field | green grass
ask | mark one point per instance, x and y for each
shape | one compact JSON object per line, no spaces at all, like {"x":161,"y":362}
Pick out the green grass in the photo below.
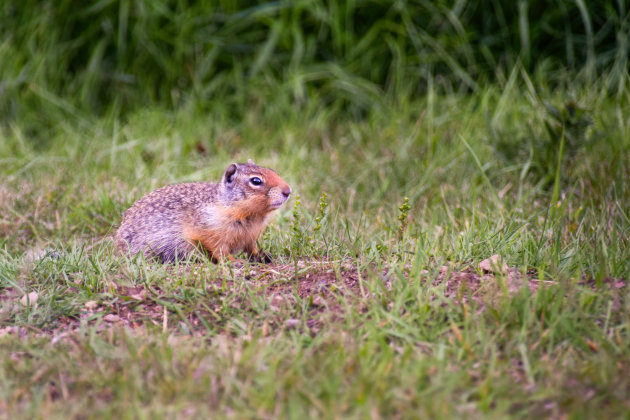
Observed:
{"x":122,"y":54}
{"x":484,"y":175}
{"x":419,"y":138}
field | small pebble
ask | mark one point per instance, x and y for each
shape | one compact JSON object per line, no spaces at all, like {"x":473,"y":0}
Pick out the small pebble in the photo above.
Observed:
{"x":291,"y":322}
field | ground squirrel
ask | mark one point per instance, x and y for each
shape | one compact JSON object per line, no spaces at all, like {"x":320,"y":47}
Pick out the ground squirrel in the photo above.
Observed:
{"x":222,"y":219}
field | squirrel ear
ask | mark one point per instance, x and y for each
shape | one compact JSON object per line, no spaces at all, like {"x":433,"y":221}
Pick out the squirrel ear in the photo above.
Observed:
{"x":228,"y":176}
{"x":251,"y":162}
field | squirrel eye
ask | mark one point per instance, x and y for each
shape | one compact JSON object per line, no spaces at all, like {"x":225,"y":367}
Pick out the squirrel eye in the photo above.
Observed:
{"x":255,"y":181}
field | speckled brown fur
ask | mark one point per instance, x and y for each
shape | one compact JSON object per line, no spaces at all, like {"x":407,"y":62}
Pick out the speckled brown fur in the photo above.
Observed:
{"x":223,"y":218}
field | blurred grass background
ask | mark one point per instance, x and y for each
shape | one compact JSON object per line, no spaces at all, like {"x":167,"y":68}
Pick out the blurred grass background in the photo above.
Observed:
{"x":120,"y":55}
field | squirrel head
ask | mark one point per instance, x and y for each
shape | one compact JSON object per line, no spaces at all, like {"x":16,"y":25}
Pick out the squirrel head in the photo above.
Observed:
{"x":256,"y":189}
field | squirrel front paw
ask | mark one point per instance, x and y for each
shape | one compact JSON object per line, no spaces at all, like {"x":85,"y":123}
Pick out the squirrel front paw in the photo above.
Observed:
{"x":260,"y":257}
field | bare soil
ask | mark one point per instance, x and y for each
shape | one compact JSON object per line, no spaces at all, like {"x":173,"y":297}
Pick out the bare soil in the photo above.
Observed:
{"x":323,"y":287}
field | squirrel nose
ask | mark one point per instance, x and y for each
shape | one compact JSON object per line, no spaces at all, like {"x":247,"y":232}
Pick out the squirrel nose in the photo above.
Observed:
{"x":286,"y":191}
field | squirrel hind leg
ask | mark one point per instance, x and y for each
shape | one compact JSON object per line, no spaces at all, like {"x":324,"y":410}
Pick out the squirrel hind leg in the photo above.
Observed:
{"x":168,"y":252}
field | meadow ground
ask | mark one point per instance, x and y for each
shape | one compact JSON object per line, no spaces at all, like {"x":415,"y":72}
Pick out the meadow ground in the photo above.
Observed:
{"x":378,"y":303}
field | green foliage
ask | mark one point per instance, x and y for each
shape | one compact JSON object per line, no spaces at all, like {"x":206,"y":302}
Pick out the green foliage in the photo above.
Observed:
{"x":403,"y":218}
{"x":321,"y":211}
{"x":561,"y":135}
{"x":571,"y":122}
{"x":299,"y":239}
{"x":352,"y":55}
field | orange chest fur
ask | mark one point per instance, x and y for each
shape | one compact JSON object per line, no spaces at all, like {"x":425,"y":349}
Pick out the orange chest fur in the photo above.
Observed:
{"x":226,"y":230}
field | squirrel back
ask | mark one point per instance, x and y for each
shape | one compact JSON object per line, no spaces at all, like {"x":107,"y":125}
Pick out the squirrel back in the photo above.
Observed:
{"x":222,"y":218}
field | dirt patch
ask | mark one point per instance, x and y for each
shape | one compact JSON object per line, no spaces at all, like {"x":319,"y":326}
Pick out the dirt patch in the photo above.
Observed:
{"x":462,"y":286}
{"x":321,"y":290}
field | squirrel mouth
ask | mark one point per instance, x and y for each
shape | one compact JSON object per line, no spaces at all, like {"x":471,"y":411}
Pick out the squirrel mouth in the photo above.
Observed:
{"x":276,"y":204}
